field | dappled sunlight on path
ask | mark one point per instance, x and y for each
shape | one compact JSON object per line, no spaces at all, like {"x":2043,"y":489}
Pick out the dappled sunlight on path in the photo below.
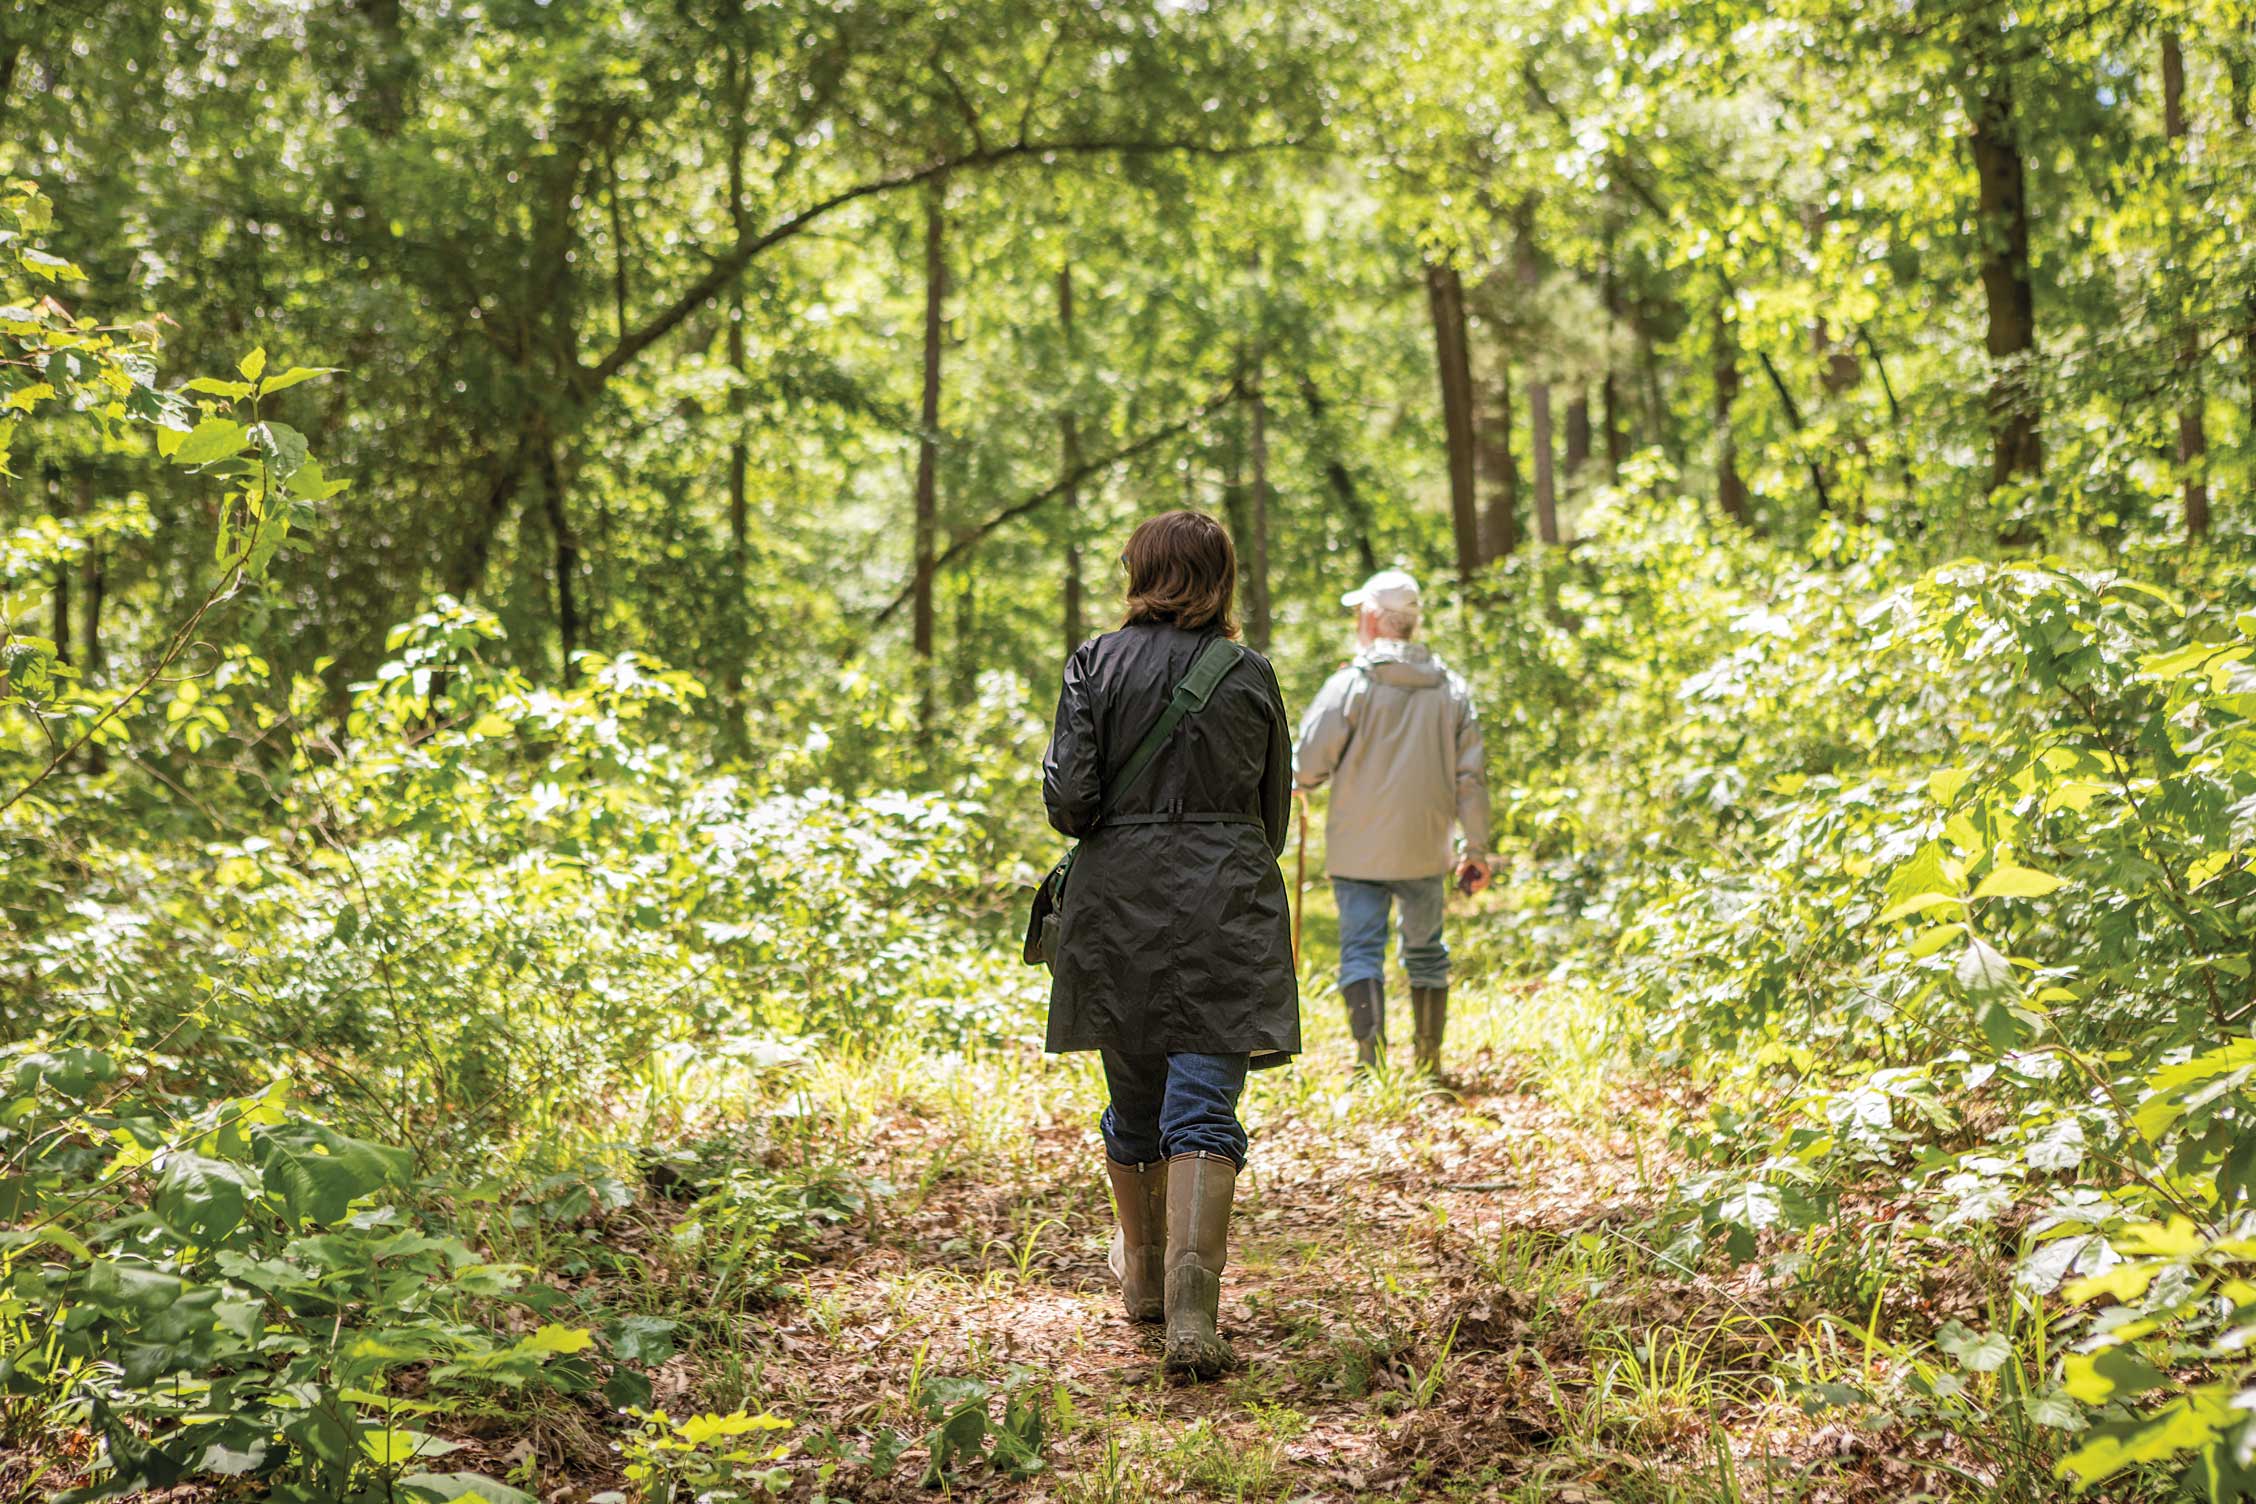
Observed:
{"x":1422,"y":1286}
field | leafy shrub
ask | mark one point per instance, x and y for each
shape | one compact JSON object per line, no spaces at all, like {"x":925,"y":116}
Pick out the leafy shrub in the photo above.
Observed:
{"x":1941,"y":879}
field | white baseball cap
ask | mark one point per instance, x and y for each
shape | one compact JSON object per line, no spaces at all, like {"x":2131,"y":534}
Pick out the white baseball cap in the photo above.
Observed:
{"x":1389,"y":590}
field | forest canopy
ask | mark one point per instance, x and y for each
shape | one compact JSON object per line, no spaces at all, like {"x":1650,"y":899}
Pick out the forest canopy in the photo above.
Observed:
{"x":537,"y":540}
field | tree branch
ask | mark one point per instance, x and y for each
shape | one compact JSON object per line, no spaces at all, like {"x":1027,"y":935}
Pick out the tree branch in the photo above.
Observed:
{"x":966,"y":541}
{"x":728,"y":267}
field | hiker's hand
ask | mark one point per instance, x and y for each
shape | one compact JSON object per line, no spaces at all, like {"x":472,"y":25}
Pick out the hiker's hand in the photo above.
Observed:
{"x":1472,"y":876}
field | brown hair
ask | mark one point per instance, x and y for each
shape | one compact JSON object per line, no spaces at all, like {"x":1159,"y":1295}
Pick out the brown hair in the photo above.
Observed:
{"x":1182,"y":569}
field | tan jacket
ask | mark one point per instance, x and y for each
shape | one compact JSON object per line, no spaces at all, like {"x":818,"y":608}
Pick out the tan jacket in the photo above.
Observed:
{"x":1396,"y":736}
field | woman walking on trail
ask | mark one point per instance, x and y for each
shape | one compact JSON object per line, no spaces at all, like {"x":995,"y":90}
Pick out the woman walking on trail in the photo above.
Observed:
{"x":1172,"y":762}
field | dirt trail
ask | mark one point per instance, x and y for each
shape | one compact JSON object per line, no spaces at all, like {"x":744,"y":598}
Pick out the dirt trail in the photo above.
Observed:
{"x":1409,"y":1291}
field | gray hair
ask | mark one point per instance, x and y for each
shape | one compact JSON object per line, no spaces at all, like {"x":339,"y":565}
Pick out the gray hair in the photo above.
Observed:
{"x":1395,"y":621}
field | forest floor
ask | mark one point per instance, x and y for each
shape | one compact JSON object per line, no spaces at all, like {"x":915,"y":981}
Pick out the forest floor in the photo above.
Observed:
{"x":1434,"y":1290}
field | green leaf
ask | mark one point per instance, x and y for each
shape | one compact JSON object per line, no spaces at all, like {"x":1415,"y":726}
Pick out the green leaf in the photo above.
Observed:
{"x":1977,"y":1352}
{"x":48,"y":267}
{"x":2055,"y":1411}
{"x":310,"y":483}
{"x":211,"y":385}
{"x":1982,"y":969}
{"x":2111,"y":1373}
{"x":960,"y":1436}
{"x":388,"y":1448}
{"x":319,"y":1172}
{"x":293,"y":377}
{"x":557,"y":1339}
{"x":212,"y":439}
{"x":2009,"y":881}
{"x":203,"y":1199}
{"x":468,"y":1487}
{"x":641,"y":1339}
{"x":283,"y":446}
{"x":2183,"y":1425}
{"x":1918,"y":903}
{"x":252,"y":364}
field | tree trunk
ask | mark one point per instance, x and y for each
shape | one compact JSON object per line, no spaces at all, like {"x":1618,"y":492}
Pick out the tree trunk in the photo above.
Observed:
{"x":965,"y":688}
{"x":1731,"y":491}
{"x":94,"y":579}
{"x":567,"y":554}
{"x":1539,"y":411}
{"x":58,"y":509}
{"x":1257,"y":545}
{"x":1578,"y":432}
{"x":2016,"y":448}
{"x":740,"y":444}
{"x":1609,"y":390}
{"x":2248,"y":363}
{"x":1658,"y":429}
{"x":1500,"y":527}
{"x":619,"y":233}
{"x":388,"y":67}
{"x":2193,"y":438}
{"x":1445,"y":297}
{"x":1338,"y":476}
{"x":928,"y":420}
{"x":1069,"y":462}
{"x":1234,"y":510}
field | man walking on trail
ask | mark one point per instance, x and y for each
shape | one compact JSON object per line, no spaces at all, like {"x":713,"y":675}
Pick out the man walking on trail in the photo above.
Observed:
{"x":1395,"y":734}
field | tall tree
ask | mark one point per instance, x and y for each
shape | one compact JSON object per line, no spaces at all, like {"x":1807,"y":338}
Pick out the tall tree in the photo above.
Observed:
{"x":2193,"y":438}
{"x":927,"y":525}
{"x":1445,"y":301}
{"x":1731,"y":491}
{"x":1609,"y":386}
{"x":1993,"y":138}
{"x":1069,"y":468}
{"x":1500,"y":522}
{"x":1530,"y":272}
{"x":1257,"y":542}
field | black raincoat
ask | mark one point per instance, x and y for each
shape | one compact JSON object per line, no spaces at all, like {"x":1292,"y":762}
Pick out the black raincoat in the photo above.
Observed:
{"x":1176,"y":935}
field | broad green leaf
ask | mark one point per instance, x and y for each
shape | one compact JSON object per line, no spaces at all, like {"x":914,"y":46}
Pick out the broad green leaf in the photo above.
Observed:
{"x":252,"y":364}
{"x":1983,"y":969}
{"x":702,"y":1430}
{"x":465,"y":1488}
{"x":204,"y":1199}
{"x":557,"y":1339}
{"x":2008,"y":881}
{"x":319,"y":1172}
{"x":1943,"y":787}
{"x":2112,"y":1373}
{"x":283,"y":446}
{"x":2181,"y":1426}
{"x":1918,"y":904}
{"x":293,"y":377}
{"x":388,"y":1448}
{"x":212,"y":439}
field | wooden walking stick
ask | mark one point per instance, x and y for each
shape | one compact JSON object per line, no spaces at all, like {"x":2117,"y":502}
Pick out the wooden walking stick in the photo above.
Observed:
{"x":1300,"y":875}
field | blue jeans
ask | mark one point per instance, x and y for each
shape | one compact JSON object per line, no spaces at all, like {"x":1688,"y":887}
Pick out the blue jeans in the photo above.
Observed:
{"x":1165,"y":1105}
{"x":1363,"y":909}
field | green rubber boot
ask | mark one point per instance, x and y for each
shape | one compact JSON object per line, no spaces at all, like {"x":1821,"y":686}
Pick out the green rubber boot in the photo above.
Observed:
{"x":1139,"y":1243}
{"x":1199,"y":1191}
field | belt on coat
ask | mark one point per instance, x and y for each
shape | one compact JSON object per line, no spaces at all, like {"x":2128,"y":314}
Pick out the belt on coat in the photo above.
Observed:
{"x":1185,"y":817}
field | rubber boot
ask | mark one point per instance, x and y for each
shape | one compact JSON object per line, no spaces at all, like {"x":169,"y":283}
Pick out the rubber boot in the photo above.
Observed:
{"x":1366,"y":1020}
{"x":1139,"y":1243}
{"x":1199,"y":1190}
{"x":1429,"y":1015}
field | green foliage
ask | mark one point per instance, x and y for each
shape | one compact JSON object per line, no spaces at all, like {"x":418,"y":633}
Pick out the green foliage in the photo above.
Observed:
{"x":715,"y":1459}
{"x":1941,"y":876}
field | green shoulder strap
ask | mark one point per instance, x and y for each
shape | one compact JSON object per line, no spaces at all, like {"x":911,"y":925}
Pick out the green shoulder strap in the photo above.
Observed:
{"x":1197,"y":686}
